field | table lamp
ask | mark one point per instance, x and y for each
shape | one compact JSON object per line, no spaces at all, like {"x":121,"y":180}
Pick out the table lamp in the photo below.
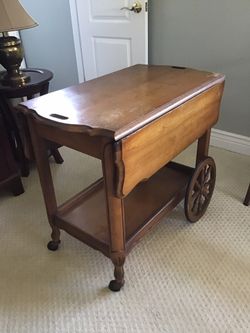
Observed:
{"x":13,"y":17}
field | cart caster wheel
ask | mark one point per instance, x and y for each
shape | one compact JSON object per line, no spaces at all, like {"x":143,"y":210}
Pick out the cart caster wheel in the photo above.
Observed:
{"x":114,"y":285}
{"x":200,"y":190}
{"x":53,"y":246}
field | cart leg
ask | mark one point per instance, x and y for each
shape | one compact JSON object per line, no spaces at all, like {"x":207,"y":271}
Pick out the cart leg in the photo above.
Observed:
{"x":247,"y":198}
{"x":118,"y":261}
{"x":57,"y":156}
{"x":55,"y":236}
{"x":115,"y":212}
{"x":203,"y":146}
{"x":48,"y":190}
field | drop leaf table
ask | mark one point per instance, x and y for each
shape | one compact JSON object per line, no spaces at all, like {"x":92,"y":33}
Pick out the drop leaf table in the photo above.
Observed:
{"x":135,"y":121}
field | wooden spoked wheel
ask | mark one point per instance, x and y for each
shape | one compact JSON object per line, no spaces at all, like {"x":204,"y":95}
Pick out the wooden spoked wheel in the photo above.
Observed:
{"x":200,"y":189}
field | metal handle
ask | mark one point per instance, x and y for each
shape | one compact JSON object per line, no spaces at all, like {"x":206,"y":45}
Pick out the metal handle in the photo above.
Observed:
{"x":136,"y":7}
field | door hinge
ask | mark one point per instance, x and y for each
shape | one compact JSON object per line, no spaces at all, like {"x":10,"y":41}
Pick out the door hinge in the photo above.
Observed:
{"x":146,"y":6}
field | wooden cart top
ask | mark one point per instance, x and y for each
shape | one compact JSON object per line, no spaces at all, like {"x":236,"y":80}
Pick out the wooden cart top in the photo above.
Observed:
{"x":118,"y":104}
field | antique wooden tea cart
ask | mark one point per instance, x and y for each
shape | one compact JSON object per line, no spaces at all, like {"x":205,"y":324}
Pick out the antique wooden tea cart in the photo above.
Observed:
{"x":135,"y":121}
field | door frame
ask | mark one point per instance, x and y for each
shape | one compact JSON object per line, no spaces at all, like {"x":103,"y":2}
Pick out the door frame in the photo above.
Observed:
{"x":77,"y":40}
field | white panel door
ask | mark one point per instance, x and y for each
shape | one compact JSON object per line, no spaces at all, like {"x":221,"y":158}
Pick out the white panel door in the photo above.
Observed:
{"x":111,"y":38}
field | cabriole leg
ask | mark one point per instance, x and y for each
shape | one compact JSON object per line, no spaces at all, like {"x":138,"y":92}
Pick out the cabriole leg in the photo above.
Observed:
{"x":55,"y":236}
{"x":118,"y":261}
{"x":116,"y":222}
{"x":43,"y":167}
{"x":247,"y":198}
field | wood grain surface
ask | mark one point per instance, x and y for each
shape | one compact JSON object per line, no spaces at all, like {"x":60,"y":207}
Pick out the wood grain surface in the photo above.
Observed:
{"x":118,"y":104}
{"x":146,"y":151}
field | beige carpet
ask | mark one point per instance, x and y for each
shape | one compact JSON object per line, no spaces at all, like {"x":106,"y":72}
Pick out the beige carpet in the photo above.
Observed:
{"x":180,"y":278}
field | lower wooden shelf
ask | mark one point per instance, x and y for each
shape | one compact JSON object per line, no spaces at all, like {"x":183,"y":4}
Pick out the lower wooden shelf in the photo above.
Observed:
{"x":84,"y":216}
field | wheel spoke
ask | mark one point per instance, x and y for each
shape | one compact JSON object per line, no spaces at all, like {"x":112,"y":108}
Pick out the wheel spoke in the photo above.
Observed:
{"x":197,"y":184}
{"x":194,"y":197}
{"x":200,"y":204}
{"x":202,"y":175}
{"x":195,"y":205}
{"x":206,"y":188}
{"x":207,"y":175}
{"x":208,"y":168}
{"x":209,"y":182}
{"x":206,"y":194}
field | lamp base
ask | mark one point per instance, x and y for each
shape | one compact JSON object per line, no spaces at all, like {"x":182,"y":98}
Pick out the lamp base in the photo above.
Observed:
{"x":14,"y":80}
{"x":11,"y":55}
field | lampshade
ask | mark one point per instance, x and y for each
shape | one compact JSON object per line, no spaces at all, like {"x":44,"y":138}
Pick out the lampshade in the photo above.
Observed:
{"x":14,"y":17}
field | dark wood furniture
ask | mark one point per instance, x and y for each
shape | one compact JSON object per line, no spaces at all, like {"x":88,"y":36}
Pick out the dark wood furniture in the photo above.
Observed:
{"x":9,"y":174}
{"x":247,"y":198}
{"x":135,"y":121}
{"x":17,"y":125}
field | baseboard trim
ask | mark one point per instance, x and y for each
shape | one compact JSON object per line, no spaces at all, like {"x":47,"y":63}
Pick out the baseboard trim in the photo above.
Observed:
{"x":230,"y":141}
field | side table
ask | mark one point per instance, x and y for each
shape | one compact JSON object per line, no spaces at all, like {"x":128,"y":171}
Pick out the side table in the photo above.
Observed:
{"x":9,"y":175}
{"x":16,"y":124}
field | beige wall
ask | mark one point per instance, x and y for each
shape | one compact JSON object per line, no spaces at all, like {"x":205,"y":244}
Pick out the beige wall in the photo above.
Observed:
{"x":212,"y":35}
